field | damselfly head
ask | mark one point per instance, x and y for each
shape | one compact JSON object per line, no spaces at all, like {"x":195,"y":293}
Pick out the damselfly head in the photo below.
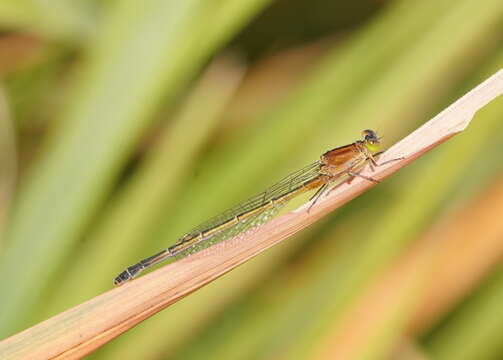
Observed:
{"x":371,"y":140}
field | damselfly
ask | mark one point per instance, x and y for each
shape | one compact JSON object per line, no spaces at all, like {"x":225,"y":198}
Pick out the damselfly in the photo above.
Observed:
{"x":345,"y":160}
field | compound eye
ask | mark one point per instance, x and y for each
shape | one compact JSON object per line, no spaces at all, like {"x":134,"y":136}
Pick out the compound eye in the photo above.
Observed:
{"x":367,"y":134}
{"x":370,"y":136}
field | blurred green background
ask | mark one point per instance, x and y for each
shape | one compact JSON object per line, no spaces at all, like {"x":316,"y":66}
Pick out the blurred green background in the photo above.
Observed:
{"x":124,"y":123}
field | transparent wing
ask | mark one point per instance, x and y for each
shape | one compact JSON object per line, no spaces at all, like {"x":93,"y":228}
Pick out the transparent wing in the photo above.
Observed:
{"x":247,"y":215}
{"x":230,"y":232}
{"x":288,"y":183}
